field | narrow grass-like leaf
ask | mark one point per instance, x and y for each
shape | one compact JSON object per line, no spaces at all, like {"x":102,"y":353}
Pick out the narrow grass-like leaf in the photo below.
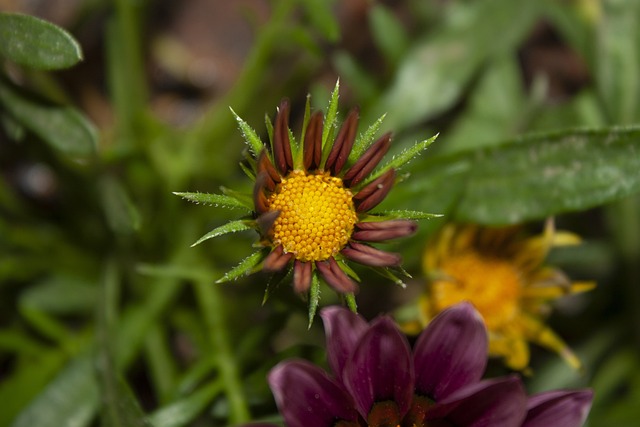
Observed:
{"x":250,"y":136}
{"x":230,"y":227}
{"x":122,"y":215}
{"x":330,"y":117}
{"x":119,"y":406}
{"x":401,"y":159}
{"x":35,"y":43}
{"x":244,"y":267}
{"x":184,"y":411}
{"x":320,"y":13}
{"x":217,"y":200}
{"x":389,"y":34}
{"x":314,"y":297}
{"x":62,"y":127}
{"x":364,"y":140}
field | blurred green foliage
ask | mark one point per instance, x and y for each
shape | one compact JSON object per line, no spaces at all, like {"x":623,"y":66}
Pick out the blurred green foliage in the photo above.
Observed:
{"x":107,"y":313}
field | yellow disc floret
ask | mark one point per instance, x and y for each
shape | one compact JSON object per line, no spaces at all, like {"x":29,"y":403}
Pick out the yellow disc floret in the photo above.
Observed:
{"x":492,"y":284}
{"x":316,"y":217}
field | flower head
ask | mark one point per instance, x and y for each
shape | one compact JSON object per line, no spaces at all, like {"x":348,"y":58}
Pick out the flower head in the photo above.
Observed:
{"x":312,"y":198}
{"x":503,"y":275}
{"x":379,"y":381}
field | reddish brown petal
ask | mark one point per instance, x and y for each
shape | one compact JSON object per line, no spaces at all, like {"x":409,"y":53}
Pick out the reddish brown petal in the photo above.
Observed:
{"x":335,"y":277}
{"x":343,"y":143}
{"x":265,"y":165}
{"x":380,"y":231}
{"x":301,"y":276}
{"x":281,"y":144}
{"x":266,"y":220}
{"x":375,"y":192}
{"x":368,"y":255}
{"x":259,"y":198}
{"x":277,"y":259}
{"x":368,"y":161}
{"x":313,"y":142}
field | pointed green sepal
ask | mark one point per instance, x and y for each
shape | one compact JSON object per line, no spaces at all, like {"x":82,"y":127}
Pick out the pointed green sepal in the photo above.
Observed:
{"x":250,"y":136}
{"x":230,"y":227}
{"x":225,"y":201}
{"x":364,"y":140}
{"x":245,"y":198}
{"x":399,"y":214}
{"x":245,"y":267}
{"x":351,"y":302}
{"x":330,"y":118}
{"x":401,"y":159}
{"x":314,"y":297}
{"x":388,"y":273}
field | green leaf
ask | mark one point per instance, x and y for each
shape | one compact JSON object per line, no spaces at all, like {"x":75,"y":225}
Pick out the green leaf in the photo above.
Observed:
{"x":63,"y":127}
{"x":70,"y":400}
{"x":529,"y":178}
{"x":243,"y":268}
{"x":250,"y":136}
{"x":546,"y":175}
{"x":122,"y":215}
{"x":27,"y":379}
{"x":216,"y":200}
{"x":36,"y":43}
{"x":230,"y":227}
{"x":61,"y":295}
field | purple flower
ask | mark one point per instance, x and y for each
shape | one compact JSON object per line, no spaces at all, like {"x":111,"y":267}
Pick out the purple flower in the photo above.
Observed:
{"x":378,"y":381}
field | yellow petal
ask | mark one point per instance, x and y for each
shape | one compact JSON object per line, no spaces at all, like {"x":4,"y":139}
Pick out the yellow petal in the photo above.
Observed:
{"x":512,"y":348}
{"x":538,"y":333}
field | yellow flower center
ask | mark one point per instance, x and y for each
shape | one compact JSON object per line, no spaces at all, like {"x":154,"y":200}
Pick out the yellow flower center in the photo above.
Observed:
{"x":316,"y":218}
{"x":491,"y":284}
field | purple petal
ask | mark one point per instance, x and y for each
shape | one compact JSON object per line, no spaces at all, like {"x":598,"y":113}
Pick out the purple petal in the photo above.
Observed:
{"x":558,"y":408}
{"x":496,"y":402}
{"x":380,"y":368}
{"x":342,"y":329}
{"x":451,"y":352}
{"x":307,"y":397}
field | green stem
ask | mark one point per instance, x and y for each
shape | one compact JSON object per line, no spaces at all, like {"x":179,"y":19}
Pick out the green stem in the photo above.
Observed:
{"x":212,"y":306}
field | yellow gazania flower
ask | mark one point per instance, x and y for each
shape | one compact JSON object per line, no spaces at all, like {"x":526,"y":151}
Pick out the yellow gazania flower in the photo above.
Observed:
{"x":312,"y":202}
{"x":502,"y":273}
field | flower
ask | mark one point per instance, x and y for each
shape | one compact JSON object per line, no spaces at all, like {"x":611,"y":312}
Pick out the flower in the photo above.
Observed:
{"x":311,"y":201}
{"x":502,"y":273}
{"x":378,"y":381}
